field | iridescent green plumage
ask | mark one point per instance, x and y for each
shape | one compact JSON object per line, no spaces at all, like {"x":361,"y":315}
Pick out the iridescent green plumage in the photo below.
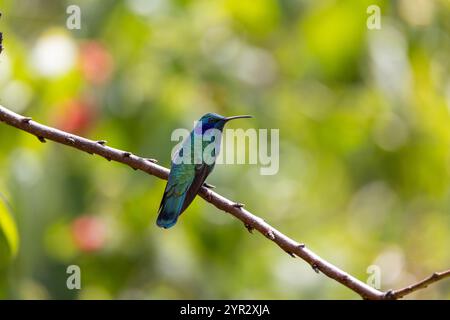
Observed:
{"x":189,"y":171}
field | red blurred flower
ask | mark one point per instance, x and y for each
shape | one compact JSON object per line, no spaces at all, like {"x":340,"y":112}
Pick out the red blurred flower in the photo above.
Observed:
{"x":96,"y":62}
{"x":88,"y":233}
{"x":75,"y":115}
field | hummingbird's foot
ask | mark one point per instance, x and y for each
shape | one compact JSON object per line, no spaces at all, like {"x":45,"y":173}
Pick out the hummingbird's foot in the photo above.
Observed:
{"x":209,"y":186}
{"x":238,"y":205}
{"x":249,"y":228}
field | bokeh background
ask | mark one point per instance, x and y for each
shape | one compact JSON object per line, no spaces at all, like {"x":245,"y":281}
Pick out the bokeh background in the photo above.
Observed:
{"x":364,"y":125}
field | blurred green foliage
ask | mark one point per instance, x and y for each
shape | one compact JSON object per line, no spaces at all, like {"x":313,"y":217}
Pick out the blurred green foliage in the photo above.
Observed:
{"x":364,"y":125}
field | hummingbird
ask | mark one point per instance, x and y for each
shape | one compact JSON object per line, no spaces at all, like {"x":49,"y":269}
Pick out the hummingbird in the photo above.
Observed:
{"x":191,"y":164}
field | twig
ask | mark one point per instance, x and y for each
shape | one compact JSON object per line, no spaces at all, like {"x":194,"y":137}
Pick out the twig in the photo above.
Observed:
{"x":400,"y":293}
{"x":251,"y":222}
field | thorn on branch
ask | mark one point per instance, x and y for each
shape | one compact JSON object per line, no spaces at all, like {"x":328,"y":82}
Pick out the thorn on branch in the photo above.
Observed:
{"x":126,"y":154}
{"x":41,"y":139}
{"x":209,"y":186}
{"x":315,"y":267}
{"x":238,"y":205}
{"x":249,"y":228}
{"x":102,"y":142}
{"x":70,"y":140}
{"x":389,"y":295}
{"x":290,"y":253}
{"x":270,"y":235}
{"x":26,"y":119}
{"x":151,"y":160}
{"x":301,"y":246}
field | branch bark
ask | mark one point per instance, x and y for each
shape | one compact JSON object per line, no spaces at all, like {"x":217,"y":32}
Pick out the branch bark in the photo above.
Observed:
{"x":250,"y":220}
{"x":400,"y":293}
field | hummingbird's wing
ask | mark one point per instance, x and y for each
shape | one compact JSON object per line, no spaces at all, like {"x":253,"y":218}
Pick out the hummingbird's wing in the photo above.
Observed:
{"x":180,"y":179}
{"x":201,"y":173}
{"x":183,"y":185}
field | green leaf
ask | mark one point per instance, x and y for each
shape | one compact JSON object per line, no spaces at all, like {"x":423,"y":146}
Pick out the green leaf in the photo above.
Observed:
{"x":8,"y":228}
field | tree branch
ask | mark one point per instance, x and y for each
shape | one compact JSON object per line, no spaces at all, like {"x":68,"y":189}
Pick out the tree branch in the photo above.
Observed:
{"x":400,"y":293}
{"x":250,"y":221}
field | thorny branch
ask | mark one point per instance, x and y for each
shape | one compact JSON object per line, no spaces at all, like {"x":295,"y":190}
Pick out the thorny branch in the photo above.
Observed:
{"x":251,"y":221}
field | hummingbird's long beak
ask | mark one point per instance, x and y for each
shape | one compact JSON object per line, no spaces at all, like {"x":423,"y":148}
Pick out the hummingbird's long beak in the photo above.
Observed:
{"x":237,"y":117}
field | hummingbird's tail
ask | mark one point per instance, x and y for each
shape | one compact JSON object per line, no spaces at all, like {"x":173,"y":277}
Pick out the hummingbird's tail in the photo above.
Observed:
{"x":169,"y":211}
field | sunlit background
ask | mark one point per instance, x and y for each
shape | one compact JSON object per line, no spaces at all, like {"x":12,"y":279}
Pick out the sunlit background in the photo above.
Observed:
{"x":364,"y":119}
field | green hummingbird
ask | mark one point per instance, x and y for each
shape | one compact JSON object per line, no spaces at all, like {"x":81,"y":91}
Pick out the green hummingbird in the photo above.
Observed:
{"x":190,"y":167}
